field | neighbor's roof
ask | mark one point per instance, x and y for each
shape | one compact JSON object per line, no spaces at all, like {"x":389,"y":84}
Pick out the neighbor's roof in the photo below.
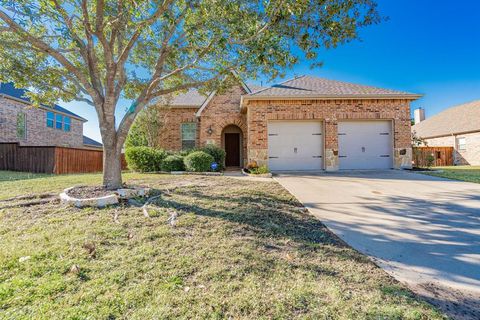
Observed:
{"x":459,"y":119}
{"x":313,"y":87}
{"x":90,"y":142}
{"x":8,"y":89}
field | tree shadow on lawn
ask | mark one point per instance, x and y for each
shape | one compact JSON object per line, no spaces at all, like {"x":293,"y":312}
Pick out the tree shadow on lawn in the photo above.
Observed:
{"x":272,"y":219}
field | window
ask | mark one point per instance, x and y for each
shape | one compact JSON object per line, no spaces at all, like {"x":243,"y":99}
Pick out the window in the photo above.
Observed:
{"x":50,"y":119}
{"x":189,"y":132}
{"x":21,"y":125}
{"x":66,"y":123}
{"x":462,"y":144}
{"x":58,"y":121}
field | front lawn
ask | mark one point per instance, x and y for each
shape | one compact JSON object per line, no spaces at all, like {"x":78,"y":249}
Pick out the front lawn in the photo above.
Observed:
{"x":464,"y":173}
{"x":239,"y":250}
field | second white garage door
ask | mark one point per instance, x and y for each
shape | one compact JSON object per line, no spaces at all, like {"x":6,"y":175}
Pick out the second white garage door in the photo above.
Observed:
{"x":365,"y":144}
{"x":295,"y":145}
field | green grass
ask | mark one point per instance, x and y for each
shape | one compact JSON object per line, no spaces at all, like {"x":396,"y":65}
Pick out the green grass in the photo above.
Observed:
{"x":13,"y":176}
{"x":240,"y":250}
{"x":463,"y":173}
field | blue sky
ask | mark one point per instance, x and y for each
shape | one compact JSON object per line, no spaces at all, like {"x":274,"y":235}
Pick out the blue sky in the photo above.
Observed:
{"x":428,"y":47}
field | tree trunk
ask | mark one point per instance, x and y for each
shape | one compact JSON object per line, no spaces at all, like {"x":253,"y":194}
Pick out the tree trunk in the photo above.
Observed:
{"x":112,"y":166}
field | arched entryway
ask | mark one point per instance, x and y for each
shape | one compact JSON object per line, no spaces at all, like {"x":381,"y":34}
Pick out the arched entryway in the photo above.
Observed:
{"x":232,"y":140}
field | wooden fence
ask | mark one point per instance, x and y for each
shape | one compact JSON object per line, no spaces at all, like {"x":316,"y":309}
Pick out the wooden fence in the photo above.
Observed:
{"x":50,"y":159}
{"x":441,"y":156}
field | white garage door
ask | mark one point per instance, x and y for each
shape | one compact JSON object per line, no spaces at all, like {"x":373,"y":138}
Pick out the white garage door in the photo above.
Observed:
{"x":365,"y":144}
{"x":295,"y":145}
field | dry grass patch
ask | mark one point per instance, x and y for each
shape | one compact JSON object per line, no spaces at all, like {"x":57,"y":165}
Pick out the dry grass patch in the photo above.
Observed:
{"x":239,"y":249}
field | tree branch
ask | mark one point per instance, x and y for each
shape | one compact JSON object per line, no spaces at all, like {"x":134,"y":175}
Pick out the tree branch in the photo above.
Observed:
{"x":46,"y":48}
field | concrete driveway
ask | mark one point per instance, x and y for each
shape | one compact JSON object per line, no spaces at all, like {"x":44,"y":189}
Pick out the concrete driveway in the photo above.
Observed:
{"x":425,"y":231}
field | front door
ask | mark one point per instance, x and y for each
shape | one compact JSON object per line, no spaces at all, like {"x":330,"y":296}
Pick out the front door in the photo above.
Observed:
{"x":232,"y":149}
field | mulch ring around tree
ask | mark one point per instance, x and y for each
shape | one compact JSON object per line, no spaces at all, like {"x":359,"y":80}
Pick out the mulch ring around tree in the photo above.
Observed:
{"x":87,"y":192}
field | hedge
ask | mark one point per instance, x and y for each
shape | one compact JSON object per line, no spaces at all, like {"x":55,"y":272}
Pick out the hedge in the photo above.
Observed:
{"x":144,"y":159}
{"x":198,"y":161}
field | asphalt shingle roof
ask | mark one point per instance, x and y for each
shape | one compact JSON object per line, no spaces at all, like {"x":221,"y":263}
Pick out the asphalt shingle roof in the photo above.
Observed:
{"x":10,"y":90}
{"x":195,"y":99}
{"x":190,"y":98}
{"x":458,"y":119}
{"x":308,"y":86}
{"x":90,"y":142}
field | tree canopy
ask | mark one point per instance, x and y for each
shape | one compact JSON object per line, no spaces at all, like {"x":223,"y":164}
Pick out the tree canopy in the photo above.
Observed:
{"x":102,"y":51}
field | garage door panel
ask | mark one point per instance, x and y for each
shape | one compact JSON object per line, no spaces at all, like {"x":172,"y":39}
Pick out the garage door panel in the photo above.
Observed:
{"x":295,"y":145}
{"x":365,"y":144}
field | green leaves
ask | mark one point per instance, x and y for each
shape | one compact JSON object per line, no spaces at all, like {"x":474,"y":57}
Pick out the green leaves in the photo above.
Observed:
{"x":255,"y":37}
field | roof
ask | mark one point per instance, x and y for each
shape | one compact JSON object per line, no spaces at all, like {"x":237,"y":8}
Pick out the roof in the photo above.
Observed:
{"x":314,"y":87}
{"x":193,"y":98}
{"x":459,"y":119}
{"x":190,"y":98}
{"x":8,"y":89}
{"x":90,"y":142}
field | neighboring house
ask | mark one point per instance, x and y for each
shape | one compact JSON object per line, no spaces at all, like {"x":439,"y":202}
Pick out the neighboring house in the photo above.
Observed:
{"x":43,"y":126}
{"x":91,"y":144}
{"x":306,"y":123}
{"x":457,"y":127}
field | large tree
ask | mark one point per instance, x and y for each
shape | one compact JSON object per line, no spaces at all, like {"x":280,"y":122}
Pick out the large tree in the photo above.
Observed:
{"x":107,"y":51}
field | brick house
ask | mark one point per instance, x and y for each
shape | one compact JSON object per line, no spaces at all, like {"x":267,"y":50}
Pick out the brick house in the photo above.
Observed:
{"x":457,"y":127}
{"x":306,"y":123}
{"x":43,"y":126}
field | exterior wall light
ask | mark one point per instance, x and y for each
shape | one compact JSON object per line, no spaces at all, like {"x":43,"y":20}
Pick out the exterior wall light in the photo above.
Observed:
{"x":210,"y":130}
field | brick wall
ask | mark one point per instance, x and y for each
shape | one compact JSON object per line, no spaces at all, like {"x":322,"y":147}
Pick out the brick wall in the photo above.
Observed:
{"x":170,"y":137}
{"x":259,"y":112}
{"x":38,"y":134}
{"x":223,"y":111}
{"x":470,"y":156}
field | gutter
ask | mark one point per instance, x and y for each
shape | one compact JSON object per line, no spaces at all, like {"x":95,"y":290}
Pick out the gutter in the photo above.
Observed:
{"x":451,"y":134}
{"x":244,"y":99}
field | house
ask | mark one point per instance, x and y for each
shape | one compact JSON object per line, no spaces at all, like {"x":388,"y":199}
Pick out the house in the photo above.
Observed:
{"x":26,"y":125}
{"x":457,"y":127}
{"x":306,"y":123}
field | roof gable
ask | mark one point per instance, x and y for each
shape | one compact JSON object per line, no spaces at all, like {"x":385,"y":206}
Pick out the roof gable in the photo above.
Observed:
{"x":9,"y":90}
{"x":212,"y":95}
{"x":313,"y":87}
{"x":457,"y":119}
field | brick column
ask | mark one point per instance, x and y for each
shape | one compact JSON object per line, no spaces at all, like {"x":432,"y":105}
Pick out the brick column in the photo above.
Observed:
{"x":331,"y":145}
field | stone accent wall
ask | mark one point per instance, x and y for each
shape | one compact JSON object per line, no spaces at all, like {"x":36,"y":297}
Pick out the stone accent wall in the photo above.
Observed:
{"x":259,"y":112}
{"x":470,"y":156}
{"x":171,"y":135}
{"x":38,"y":134}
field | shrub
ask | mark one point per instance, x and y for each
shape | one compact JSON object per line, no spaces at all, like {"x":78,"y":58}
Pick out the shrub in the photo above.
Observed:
{"x":144,"y":159}
{"x":186,"y":152}
{"x":430,"y":160}
{"x":217,"y":153}
{"x":260,"y":170}
{"x":198,"y":161}
{"x":173,"y":163}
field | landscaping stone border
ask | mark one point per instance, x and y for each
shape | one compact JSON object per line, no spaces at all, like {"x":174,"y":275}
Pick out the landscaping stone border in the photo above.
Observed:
{"x":102,"y":202}
{"x":262,"y":175}
{"x":99,"y":202}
